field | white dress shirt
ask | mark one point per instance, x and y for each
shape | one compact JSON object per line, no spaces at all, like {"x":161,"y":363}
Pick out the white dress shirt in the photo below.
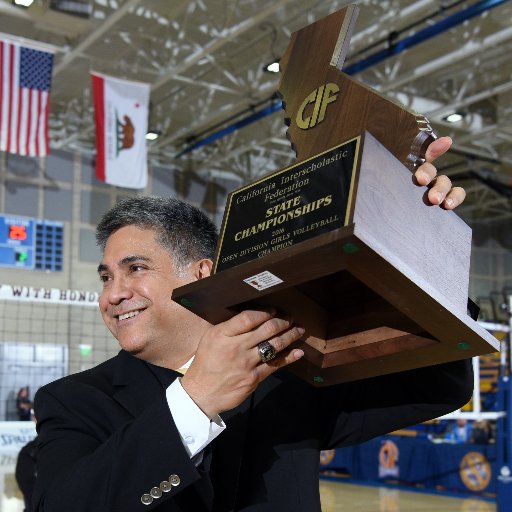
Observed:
{"x":195,"y":428}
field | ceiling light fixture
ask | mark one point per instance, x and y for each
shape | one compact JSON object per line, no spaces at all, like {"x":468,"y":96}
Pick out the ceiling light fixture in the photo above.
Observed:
{"x":23,"y":3}
{"x":152,"y":135}
{"x":272,"y":67}
{"x":454,"y":117}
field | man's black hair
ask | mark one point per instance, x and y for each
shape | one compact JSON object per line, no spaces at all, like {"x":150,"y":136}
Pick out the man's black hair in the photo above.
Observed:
{"x":182,"y":229}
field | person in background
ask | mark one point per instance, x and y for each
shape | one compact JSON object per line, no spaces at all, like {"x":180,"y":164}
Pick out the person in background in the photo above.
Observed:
{"x":482,"y":432}
{"x":24,"y":404}
{"x":460,"y":432}
{"x":234,"y":432}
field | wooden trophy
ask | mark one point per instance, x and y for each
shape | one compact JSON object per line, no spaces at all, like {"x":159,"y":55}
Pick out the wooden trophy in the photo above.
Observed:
{"x":344,"y":240}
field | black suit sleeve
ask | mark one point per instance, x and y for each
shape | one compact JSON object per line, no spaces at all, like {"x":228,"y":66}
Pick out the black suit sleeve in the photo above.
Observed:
{"x":359,"y":411}
{"x":25,"y":472}
{"x":94,"y":456}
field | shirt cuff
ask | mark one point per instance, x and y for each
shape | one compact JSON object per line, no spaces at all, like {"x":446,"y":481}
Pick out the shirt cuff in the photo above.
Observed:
{"x":195,"y":428}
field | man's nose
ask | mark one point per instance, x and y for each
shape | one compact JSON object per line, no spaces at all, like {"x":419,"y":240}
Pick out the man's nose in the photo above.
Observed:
{"x":118,"y":290}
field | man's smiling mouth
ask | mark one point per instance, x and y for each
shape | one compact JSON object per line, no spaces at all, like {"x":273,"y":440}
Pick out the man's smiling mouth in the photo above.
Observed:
{"x":131,"y":314}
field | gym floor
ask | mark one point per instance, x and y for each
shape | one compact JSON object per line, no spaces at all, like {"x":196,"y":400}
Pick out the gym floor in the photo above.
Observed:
{"x":336,"y":497}
{"x":347,"y":497}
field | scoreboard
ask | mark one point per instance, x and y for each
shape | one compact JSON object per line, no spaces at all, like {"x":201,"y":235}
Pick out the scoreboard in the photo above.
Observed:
{"x":33,"y":244}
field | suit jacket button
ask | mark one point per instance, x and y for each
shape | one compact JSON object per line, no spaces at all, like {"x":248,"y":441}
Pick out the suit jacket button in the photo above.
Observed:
{"x":165,"y":486}
{"x":146,"y":499}
{"x":174,"y":480}
{"x":156,"y":492}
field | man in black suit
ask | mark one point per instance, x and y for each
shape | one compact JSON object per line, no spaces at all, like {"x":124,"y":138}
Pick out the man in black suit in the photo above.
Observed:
{"x":232,"y":433}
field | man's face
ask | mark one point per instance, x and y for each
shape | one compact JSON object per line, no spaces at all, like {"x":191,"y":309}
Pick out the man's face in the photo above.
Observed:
{"x":138,"y":279}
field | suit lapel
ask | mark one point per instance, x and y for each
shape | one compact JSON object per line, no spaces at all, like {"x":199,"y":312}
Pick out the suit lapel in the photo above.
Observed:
{"x":134,"y":384}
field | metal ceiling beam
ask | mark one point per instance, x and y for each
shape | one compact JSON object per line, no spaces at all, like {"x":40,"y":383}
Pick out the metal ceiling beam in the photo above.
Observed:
{"x":478,"y":153}
{"x":213,"y":119}
{"x":468,"y":50}
{"x":240,"y":150}
{"x":91,"y":39}
{"x":218,"y":43}
{"x":31,"y":43}
{"x":498,"y":89}
{"x":178,"y":70}
{"x":208,"y":85}
{"x":411,"y":11}
{"x":424,"y":35}
{"x":94,"y":36}
{"x":406,"y":13}
{"x":399,"y":47}
{"x":237,"y":125}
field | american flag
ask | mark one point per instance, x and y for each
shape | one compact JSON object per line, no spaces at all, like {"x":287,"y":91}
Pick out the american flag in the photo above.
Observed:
{"x":25,"y":81}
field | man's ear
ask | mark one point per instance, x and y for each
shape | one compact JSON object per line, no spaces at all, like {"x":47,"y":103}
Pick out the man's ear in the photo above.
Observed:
{"x":203,"y":268}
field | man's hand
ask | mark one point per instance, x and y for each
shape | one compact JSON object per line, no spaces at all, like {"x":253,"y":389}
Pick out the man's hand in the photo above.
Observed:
{"x":441,"y":192}
{"x":227,"y":366}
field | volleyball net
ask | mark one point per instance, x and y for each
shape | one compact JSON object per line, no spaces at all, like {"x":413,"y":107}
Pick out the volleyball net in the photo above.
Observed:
{"x":45,"y":334}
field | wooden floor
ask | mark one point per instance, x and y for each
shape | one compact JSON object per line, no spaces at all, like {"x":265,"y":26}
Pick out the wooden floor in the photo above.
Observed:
{"x":346,"y":497}
{"x":336,"y":497}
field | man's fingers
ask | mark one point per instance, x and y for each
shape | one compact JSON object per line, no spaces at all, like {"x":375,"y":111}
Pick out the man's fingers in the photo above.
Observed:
{"x":442,"y":193}
{"x":440,"y":189}
{"x":285,"y":358}
{"x":251,"y":327}
{"x":282,"y":341}
{"x":277,"y":329}
{"x":437,"y":148}
{"x":454,"y":198}
{"x":247,"y":321}
{"x":425,"y":174}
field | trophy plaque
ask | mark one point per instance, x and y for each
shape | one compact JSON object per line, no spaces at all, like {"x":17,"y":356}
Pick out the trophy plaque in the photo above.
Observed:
{"x":344,"y":240}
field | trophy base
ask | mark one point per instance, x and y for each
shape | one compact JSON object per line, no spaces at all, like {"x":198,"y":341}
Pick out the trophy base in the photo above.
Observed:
{"x":384,"y":294}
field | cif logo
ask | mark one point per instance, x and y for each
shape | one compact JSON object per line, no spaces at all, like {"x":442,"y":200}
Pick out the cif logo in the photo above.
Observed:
{"x":319,"y":98}
{"x":475,"y":471}
{"x":326,"y":457}
{"x":388,"y":459}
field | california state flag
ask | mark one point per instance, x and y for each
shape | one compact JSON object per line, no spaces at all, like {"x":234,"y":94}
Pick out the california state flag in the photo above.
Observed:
{"x":121,"y":115}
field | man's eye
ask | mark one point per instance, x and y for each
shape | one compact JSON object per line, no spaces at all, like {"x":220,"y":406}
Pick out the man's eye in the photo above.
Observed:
{"x":104,"y":278}
{"x":136,"y":268}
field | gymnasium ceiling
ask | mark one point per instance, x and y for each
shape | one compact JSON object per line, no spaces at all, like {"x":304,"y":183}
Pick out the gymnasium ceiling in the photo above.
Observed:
{"x":204,"y":60}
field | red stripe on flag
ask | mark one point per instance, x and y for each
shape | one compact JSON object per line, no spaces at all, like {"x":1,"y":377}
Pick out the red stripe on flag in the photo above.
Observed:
{"x":98,"y":88}
{"x":29,"y":123}
{"x":40,"y":136}
{"x":9,"y":113}
{"x":46,"y":126}
{"x":18,"y":128}
{"x":38,"y":122}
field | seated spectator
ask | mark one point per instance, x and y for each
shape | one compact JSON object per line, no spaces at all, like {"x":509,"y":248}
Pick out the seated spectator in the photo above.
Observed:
{"x":460,"y":432}
{"x":23,"y":404}
{"x":482,"y":432}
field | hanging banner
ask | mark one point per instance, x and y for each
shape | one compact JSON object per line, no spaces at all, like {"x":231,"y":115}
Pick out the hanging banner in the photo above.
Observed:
{"x":25,"y":83}
{"x":121,"y":116}
{"x":14,"y":435}
{"x":49,"y":295}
